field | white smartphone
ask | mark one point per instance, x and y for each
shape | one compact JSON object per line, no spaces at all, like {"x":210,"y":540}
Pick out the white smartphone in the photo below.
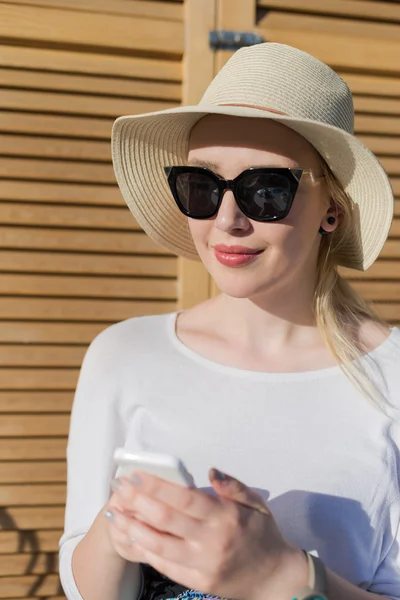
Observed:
{"x":162,"y":465}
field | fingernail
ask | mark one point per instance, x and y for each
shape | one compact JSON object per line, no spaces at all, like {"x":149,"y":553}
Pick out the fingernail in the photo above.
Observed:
{"x":109,"y":514}
{"x":135,"y":480}
{"x":220,"y":476}
{"x":116,"y":484}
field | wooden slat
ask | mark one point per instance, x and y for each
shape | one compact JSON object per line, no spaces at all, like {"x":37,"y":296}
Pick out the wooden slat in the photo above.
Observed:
{"x":33,"y":472}
{"x":86,"y":241}
{"x":103,"y":264}
{"x":50,"y":147}
{"x":91,"y":29}
{"x":390,"y":312}
{"x":93,"y":64}
{"x":391,"y":249}
{"x":13,"y":307}
{"x":20,"y":564}
{"x":40,"y":356}
{"x":37,"y":402}
{"x":366,"y":104}
{"x":26,"y":168}
{"x":38,"y":379}
{"x":95,"y":287}
{"x":77,"y":104}
{"x":391,"y":164}
{"x":395,"y":181}
{"x":377,"y":11}
{"x":377,"y":124}
{"x":381,"y":269}
{"x":79,"y":127}
{"x":29,"y":541}
{"x":58,"y":597}
{"x":32,"y":449}
{"x":339,"y":42}
{"x":107,"y":86}
{"x":372,"y":84}
{"x":349,"y":29}
{"x":381,"y":291}
{"x":118,"y":217}
{"x":381,"y":144}
{"x":21,"y":587}
{"x":31,"y":495}
{"x":36,"y":517}
{"x":27,"y":332}
{"x":33,"y":425}
{"x":137,"y":8}
{"x":70,"y":193}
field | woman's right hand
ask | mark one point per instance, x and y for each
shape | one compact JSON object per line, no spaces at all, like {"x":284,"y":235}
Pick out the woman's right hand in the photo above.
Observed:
{"x":120,"y":540}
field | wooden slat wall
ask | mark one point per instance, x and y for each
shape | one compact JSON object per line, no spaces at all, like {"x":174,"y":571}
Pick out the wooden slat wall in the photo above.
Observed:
{"x":73,"y":259}
{"x":360,"y":39}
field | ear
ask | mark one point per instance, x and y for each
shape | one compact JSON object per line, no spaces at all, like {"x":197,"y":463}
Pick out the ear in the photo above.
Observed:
{"x":331,"y":219}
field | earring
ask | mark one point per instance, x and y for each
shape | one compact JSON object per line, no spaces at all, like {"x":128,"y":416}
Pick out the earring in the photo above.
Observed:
{"x":331,"y":221}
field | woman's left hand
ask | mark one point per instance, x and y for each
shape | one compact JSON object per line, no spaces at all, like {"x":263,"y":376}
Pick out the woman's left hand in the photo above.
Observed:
{"x":228,"y":545}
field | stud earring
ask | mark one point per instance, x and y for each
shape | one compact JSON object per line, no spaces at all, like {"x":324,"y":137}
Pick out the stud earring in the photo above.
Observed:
{"x":331,"y":221}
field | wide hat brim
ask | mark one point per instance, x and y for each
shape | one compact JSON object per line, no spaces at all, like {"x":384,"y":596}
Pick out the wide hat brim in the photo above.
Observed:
{"x":143,"y":144}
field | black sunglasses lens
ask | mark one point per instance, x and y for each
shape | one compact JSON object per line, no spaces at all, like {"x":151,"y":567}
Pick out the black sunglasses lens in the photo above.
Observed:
{"x":265,"y":196}
{"x":198,"y":193}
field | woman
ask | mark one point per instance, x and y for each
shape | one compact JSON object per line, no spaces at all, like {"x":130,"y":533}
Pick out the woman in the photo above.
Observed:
{"x":286,"y":380}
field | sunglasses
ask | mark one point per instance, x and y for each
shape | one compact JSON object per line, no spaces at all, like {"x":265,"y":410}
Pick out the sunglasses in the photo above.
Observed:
{"x":262,"y":193}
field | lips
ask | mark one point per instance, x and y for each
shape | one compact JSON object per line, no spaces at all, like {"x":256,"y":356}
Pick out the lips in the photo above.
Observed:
{"x":235,"y":256}
{"x":236,"y":249}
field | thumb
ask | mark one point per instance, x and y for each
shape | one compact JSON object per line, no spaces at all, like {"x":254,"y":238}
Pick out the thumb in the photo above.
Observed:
{"x":232,"y":489}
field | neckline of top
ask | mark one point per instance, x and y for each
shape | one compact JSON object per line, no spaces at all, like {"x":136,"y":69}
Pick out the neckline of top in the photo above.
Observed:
{"x":264,"y":375}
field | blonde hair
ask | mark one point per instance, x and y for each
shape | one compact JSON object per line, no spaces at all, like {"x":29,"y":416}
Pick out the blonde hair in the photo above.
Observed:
{"x":339,"y":310}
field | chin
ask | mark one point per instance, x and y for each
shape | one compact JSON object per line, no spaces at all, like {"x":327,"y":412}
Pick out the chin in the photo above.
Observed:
{"x":240,"y":284}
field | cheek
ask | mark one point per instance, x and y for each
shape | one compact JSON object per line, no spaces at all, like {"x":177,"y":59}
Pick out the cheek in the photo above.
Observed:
{"x":200,"y":231}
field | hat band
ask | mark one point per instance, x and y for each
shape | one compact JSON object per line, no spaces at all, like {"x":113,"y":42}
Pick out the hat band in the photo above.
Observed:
{"x":272,"y":110}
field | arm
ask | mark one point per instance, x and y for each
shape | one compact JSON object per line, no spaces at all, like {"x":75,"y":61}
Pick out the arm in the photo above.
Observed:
{"x":90,"y":568}
{"x":100,"y":573}
{"x":340,"y":589}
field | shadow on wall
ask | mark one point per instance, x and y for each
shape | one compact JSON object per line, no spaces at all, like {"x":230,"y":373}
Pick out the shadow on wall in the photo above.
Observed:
{"x":28,"y":543}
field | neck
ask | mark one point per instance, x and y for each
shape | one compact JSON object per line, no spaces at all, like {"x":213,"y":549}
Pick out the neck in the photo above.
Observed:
{"x":279,"y":317}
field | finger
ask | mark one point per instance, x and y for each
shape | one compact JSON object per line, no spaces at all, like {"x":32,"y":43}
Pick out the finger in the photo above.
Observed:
{"x":232,"y":489}
{"x":164,"y":517}
{"x":189,"y":501}
{"x":122,"y":541}
{"x":151,"y":540}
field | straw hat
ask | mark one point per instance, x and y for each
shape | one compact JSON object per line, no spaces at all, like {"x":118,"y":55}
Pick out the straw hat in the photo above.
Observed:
{"x":268,"y":81}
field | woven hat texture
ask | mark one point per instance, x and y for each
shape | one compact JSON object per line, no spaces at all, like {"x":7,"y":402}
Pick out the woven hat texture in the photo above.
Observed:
{"x":270,"y":81}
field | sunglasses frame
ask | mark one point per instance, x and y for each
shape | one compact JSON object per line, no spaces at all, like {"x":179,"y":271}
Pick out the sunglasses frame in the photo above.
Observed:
{"x":294,"y":176}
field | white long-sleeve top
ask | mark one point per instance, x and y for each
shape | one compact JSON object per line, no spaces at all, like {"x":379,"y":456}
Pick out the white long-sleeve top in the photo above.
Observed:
{"x":326,"y":460}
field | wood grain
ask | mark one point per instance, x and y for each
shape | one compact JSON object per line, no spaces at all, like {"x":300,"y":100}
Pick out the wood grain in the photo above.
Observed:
{"x":37,"y":402}
{"x":53,"y":309}
{"x":34,"y":472}
{"x":87,"y":287}
{"x":31,"y":449}
{"x":86,"y":29}
{"x":63,"y":60}
{"x":29,"y":541}
{"x":28,"y":494}
{"x":74,"y":262}
{"x":34,"y":425}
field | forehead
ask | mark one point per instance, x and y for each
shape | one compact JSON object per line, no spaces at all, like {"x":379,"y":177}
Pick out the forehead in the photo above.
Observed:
{"x":215,"y":137}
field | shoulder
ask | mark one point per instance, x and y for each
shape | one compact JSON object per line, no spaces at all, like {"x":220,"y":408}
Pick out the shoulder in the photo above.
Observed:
{"x":372,"y":335}
{"x":128,"y":337}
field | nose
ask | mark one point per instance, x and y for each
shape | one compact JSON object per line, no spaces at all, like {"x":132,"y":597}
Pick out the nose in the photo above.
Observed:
{"x":230,"y":217}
